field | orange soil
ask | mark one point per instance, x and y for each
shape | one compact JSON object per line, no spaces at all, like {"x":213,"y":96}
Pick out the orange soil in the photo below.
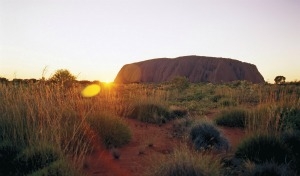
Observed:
{"x":148,"y":140}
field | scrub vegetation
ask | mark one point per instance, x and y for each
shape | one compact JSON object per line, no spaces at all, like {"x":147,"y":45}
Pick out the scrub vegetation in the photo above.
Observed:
{"x":48,"y":128}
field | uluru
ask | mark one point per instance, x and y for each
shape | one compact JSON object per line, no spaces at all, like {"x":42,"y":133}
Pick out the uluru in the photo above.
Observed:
{"x":195,"y":68}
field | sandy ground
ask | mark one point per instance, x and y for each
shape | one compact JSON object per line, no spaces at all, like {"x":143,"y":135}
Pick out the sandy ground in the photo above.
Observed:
{"x":147,"y":141}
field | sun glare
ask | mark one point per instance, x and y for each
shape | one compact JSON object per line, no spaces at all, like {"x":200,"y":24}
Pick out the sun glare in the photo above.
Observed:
{"x":91,"y":90}
{"x":107,"y":84}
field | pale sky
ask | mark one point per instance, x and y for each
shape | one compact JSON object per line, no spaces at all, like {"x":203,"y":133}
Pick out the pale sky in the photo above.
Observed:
{"x":93,"y":39}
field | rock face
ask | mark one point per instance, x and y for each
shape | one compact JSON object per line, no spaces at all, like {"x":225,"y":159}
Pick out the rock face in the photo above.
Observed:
{"x":195,"y":68}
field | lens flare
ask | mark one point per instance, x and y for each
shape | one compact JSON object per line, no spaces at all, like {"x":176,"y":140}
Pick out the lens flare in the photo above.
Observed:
{"x":91,"y":90}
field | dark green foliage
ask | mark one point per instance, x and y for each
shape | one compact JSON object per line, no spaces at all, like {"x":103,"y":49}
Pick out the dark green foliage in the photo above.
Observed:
{"x":15,"y":161}
{"x":196,"y":97}
{"x":260,"y":149}
{"x":292,"y":141}
{"x":231,"y":165}
{"x":62,"y":75}
{"x":113,"y":131}
{"x":8,"y":153}
{"x":176,"y":112}
{"x":270,"y":169}
{"x":151,"y":113}
{"x":232,"y":118}
{"x":33,"y":159}
{"x":3,"y":80}
{"x":205,"y":136}
{"x":57,"y":168}
{"x":279,"y":79}
{"x":216,"y":98}
{"x":181,"y":83}
{"x":182,"y":170}
{"x":290,"y":118}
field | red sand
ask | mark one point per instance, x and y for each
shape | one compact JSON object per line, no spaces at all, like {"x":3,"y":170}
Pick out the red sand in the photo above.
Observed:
{"x":147,"y":141}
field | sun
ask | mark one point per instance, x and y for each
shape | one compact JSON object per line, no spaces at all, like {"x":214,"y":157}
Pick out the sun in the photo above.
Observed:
{"x":107,"y":84}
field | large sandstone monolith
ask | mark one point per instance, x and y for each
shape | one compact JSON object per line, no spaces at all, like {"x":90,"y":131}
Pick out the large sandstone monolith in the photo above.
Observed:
{"x":195,"y":68}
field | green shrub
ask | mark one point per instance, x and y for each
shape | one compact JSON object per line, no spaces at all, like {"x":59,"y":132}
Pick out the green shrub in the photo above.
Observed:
{"x":292,"y":141}
{"x":260,"y":149}
{"x":151,"y":113}
{"x":35,"y":158}
{"x":176,"y":112}
{"x":57,"y":168}
{"x":205,"y":136}
{"x":193,"y":97}
{"x":290,"y":118}
{"x":232,"y":118}
{"x":113,"y":131}
{"x":236,"y":166}
{"x":181,"y":83}
{"x":270,"y":169}
{"x":231,"y":165}
{"x":216,"y":98}
{"x":183,"y":162}
{"x":8,"y":153}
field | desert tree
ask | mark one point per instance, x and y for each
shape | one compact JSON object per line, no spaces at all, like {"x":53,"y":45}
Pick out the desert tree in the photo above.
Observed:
{"x":3,"y":80}
{"x":62,"y":76}
{"x":279,"y":79}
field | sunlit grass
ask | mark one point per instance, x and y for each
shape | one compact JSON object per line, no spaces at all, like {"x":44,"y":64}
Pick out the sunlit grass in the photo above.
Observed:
{"x":36,"y":114}
{"x":183,"y":161}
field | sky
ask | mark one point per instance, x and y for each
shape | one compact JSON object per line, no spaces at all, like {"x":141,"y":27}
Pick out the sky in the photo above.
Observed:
{"x":93,"y":39}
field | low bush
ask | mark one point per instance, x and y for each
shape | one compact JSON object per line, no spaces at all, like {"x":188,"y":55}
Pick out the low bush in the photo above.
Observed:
{"x":8,"y":153}
{"x":206,"y":136}
{"x":290,"y":118}
{"x":270,"y":169}
{"x":216,"y":98}
{"x":151,"y":113}
{"x":34,"y":158}
{"x":113,"y":131}
{"x":57,"y":168}
{"x":193,"y":97}
{"x":183,"y":162}
{"x":292,"y":141}
{"x":232,"y":118}
{"x":15,"y":160}
{"x":177,"y":112}
{"x":236,"y":166}
{"x":231,"y":165}
{"x":260,"y":149}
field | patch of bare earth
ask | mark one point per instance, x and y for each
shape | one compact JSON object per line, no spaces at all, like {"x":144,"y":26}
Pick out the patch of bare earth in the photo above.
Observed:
{"x":148,"y":140}
{"x":234,"y":135}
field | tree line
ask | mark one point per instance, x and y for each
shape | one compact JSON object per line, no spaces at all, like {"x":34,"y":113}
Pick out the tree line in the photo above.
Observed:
{"x":61,"y":76}
{"x":65,"y":77}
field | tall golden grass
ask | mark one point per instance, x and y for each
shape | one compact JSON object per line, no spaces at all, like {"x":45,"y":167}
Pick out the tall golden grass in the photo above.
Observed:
{"x":35,"y":114}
